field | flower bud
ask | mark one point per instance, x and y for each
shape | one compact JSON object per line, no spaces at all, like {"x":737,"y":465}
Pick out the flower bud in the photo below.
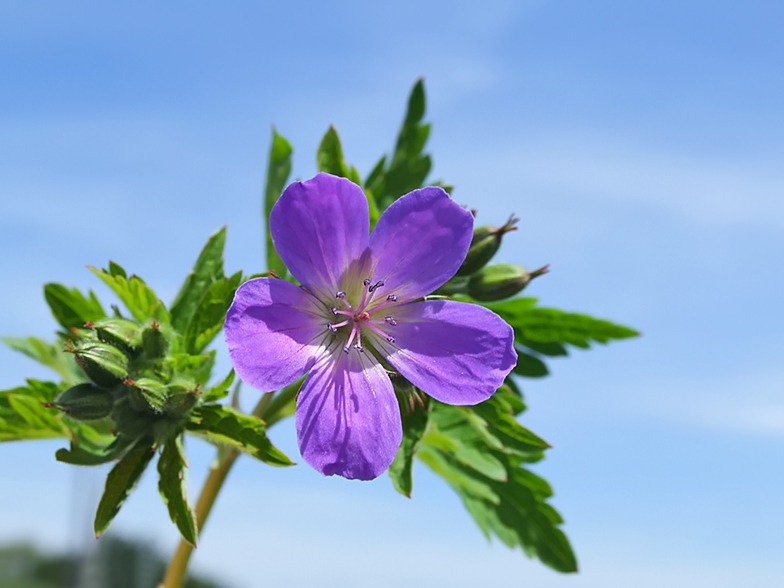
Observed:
{"x":85,"y":402}
{"x":105,"y":365}
{"x":182,"y":396}
{"x":120,"y":333}
{"x":147,"y":394}
{"x":497,"y":282}
{"x":154,"y":341}
{"x":484,"y":246}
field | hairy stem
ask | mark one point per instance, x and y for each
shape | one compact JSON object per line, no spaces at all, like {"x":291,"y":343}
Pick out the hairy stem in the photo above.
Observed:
{"x":266,"y":409}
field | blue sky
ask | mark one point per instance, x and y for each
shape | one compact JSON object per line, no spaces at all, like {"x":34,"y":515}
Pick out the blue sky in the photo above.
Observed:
{"x":640,"y":143}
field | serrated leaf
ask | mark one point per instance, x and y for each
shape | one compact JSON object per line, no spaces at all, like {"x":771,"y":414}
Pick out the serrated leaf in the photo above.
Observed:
{"x":545,"y":330}
{"x":478,"y":450}
{"x":278,"y":170}
{"x":88,"y":456}
{"x":116,"y":269}
{"x":530,"y":366}
{"x":551,"y":349}
{"x":330,"y":155}
{"x":48,"y":354}
{"x":70,"y":308}
{"x":137,"y":297}
{"x":220,"y":391}
{"x":414,"y":427}
{"x":210,"y":314}
{"x":171,"y":485}
{"x":207,"y":270}
{"x":548,"y":325}
{"x":224,"y":425}
{"x":121,"y":481}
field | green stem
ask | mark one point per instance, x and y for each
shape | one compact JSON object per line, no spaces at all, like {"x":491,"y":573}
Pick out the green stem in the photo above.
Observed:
{"x":267,"y":408}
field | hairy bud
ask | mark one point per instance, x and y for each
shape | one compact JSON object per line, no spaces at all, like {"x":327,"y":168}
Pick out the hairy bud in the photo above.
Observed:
{"x":105,"y":365}
{"x":484,"y":246}
{"x":85,"y":402}
{"x":147,"y":394}
{"x":497,"y":282}
{"x":120,"y":333}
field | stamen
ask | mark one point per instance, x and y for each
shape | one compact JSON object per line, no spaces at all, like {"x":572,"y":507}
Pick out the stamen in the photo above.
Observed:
{"x":342,"y":296}
{"x":358,"y":344}
{"x":378,"y":331}
{"x":334,"y":328}
{"x":336,"y":312}
{"x":362,"y":302}
{"x":354,"y":330}
{"x":390,"y":298}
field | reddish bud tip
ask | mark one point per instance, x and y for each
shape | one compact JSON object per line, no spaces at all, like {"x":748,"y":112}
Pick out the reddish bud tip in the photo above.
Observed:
{"x":542,"y":270}
{"x":155,"y":325}
{"x":129,"y":382}
{"x":89,"y":325}
{"x":47,"y":404}
{"x":272,"y":274}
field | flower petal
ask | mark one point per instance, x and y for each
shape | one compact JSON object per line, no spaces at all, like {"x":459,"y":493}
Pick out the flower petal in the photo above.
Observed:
{"x":274,"y":331}
{"x":348,"y":420}
{"x":456,"y":352}
{"x":320,"y":229}
{"x":419,"y":243}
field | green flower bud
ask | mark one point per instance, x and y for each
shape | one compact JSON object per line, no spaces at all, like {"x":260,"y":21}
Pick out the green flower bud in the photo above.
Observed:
{"x":182,"y":396}
{"x":147,"y":394}
{"x":155,"y":341}
{"x":105,"y":365}
{"x":497,"y":282}
{"x":484,"y":246}
{"x":84,"y":402}
{"x":120,"y":333}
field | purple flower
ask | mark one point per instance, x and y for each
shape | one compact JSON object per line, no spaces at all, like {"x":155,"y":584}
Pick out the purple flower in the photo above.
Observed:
{"x":355,"y":317}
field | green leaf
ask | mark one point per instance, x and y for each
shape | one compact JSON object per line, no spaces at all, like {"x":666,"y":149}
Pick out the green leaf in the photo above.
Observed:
{"x":408,"y":168}
{"x":330,"y":155}
{"x":50,"y":355}
{"x":171,"y":467}
{"x":224,"y":425}
{"x":207,"y":270}
{"x":220,"y":391}
{"x":478,"y":450}
{"x":414,"y":427}
{"x":208,"y":319}
{"x":278,"y":170}
{"x":530,"y":366}
{"x":25,"y":412}
{"x":138,"y":298}
{"x":71,"y":309}
{"x":89,"y":456}
{"x":534,"y":326}
{"x":121,"y":481}
{"x":549,"y":349}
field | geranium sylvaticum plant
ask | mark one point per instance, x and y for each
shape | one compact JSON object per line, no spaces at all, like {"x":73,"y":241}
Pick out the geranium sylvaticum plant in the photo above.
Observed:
{"x":381,"y":324}
{"x":358,"y":314}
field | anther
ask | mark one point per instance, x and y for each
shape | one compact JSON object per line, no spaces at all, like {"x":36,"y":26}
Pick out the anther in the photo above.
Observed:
{"x":392,"y":298}
{"x":340,"y":295}
{"x":390,"y":339}
{"x":390,"y":321}
{"x":332,"y":327}
{"x":359,"y":348}
{"x":366,"y":282}
{"x":376,"y":285}
{"x":334,"y":311}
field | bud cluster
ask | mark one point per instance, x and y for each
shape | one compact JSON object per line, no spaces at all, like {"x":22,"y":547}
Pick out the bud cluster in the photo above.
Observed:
{"x":138,"y":378}
{"x":488,"y":283}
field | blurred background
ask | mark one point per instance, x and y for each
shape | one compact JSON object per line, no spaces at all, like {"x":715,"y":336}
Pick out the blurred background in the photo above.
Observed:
{"x":641,"y":145}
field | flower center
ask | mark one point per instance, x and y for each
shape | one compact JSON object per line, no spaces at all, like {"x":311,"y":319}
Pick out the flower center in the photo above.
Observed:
{"x":360,"y":317}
